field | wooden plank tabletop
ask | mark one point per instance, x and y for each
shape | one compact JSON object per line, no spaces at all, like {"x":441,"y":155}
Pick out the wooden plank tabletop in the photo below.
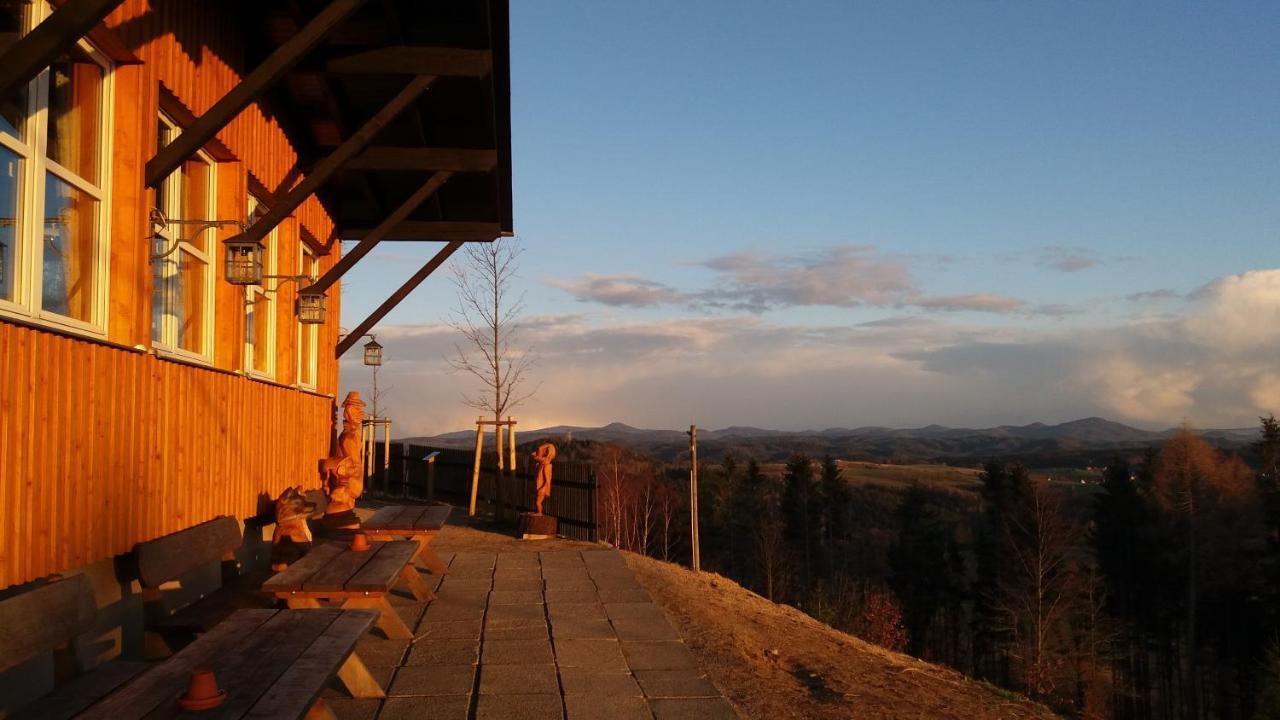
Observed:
{"x":335,"y":568}
{"x":408,"y":519}
{"x":271,"y":663}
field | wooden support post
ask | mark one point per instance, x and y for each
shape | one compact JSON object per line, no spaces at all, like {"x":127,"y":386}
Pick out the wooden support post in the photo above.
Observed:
{"x":693,"y":499}
{"x":247,"y":90}
{"x":386,"y":307}
{"x":325,"y":169}
{"x":475,"y":471}
{"x":33,"y":52}
{"x":511,"y":441}
{"x":386,"y":444}
{"x":367,"y":243}
{"x":500,"y":485}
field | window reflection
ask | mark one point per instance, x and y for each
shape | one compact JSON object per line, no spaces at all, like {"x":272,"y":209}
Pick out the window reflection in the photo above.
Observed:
{"x":10,"y":191}
{"x":70,"y":230}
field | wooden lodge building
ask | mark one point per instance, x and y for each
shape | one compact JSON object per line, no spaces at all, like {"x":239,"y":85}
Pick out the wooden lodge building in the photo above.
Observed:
{"x":151,"y":151}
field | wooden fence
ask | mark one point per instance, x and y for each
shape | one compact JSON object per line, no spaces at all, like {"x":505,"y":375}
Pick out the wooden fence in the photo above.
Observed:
{"x":426,"y":473}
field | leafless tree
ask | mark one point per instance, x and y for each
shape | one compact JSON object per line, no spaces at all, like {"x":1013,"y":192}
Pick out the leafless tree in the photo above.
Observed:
{"x":488,"y":318}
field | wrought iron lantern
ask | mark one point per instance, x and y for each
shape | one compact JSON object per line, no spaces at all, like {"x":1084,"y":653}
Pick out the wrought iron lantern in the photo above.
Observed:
{"x":244,"y":263}
{"x":310,"y":308}
{"x":372,"y":352}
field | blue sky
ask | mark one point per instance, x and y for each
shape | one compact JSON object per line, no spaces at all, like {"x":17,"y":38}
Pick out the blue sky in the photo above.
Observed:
{"x":1003,"y":182}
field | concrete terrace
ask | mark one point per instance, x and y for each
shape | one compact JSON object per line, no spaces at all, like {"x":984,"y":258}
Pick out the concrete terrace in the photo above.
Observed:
{"x":533,"y":635}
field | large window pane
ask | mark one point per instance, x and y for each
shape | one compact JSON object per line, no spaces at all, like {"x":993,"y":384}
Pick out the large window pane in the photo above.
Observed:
{"x":75,"y":118}
{"x":191,"y":314}
{"x":10,"y":191}
{"x":196,"y":177}
{"x":13,"y":108}
{"x":260,"y":312}
{"x":70,"y":231}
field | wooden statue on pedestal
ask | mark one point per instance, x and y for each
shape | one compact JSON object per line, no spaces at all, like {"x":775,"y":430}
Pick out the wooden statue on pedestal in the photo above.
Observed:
{"x":342,"y":474}
{"x":535,"y":525}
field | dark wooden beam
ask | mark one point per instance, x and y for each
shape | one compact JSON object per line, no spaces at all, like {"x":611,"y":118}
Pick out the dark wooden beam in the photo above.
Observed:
{"x":432,"y":230}
{"x":325,"y":169}
{"x":382,"y":157}
{"x":414,"y":60}
{"x":352,"y":337}
{"x":33,"y":52}
{"x":366,"y":244}
{"x":248,"y":90}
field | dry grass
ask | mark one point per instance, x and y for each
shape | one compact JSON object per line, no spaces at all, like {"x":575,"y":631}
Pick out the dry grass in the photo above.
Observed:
{"x":773,"y":661}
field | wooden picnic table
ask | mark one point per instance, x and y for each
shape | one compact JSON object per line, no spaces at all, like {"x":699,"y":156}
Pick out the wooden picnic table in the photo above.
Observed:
{"x":419,"y":523}
{"x":270,"y":663}
{"x":334,"y":572}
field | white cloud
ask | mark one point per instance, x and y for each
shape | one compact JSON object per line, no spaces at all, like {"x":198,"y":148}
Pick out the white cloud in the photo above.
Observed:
{"x":619,"y":290}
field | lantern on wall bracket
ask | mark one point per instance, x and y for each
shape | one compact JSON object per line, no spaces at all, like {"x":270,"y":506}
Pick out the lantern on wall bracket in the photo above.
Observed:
{"x":244,"y":260}
{"x":310,"y":307}
{"x":372,"y":352}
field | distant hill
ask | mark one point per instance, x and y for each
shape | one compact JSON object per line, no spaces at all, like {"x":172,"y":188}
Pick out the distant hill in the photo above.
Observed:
{"x":1078,"y":442}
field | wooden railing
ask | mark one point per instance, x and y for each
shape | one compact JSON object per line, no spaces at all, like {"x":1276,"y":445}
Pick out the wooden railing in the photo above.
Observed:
{"x":426,"y":473}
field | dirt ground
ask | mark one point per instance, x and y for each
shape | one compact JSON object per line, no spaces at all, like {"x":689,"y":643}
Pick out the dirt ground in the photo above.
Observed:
{"x":773,"y":661}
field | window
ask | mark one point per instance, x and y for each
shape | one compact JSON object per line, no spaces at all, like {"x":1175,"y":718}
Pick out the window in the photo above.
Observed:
{"x":182,"y":263}
{"x":308,"y":334}
{"x":53,"y":176}
{"x":260,"y":309}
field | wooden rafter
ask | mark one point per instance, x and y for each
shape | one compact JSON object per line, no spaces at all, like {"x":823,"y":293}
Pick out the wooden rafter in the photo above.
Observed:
{"x":389,"y":304}
{"x":248,"y":90}
{"x":366,"y":244}
{"x":381,"y":157}
{"x":325,"y":169}
{"x":33,"y":52}
{"x":433,"y":230}
{"x":415,"y":60}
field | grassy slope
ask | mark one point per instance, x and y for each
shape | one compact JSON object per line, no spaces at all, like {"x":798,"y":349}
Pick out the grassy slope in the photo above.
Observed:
{"x":817,"y":672}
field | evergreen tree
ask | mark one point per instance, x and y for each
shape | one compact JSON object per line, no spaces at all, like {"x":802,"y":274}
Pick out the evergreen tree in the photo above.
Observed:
{"x":922,"y":574}
{"x":835,"y":517}
{"x":1003,"y":486}
{"x":1268,"y":448}
{"x":799,"y":510}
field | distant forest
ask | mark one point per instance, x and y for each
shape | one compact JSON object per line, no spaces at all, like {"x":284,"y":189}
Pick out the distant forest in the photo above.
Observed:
{"x":1153,"y":596}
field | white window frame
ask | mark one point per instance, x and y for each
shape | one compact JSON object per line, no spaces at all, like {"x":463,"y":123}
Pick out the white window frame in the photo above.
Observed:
{"x":167,"y":343}
{"x":308,"y":333}
{"x":28,"y":255}
{"x":270,"y":261}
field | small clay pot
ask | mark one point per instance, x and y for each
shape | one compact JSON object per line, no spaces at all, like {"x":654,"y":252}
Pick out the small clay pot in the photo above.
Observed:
{"x":203,"y":692}
{"x":359,"y":542}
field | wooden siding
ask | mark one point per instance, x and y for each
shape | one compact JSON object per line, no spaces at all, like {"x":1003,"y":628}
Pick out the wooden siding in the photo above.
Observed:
{"x":104,"y":447}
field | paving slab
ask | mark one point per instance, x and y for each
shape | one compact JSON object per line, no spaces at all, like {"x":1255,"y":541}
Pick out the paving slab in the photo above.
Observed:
{"x":582,"y":628}
{"x":692,"y":709}
{"x":582,"y":611}
{"x":444,"y":652}
{"x":433,"y":680}
{"x":515,"y":615}
{"x":379,"y":652}
{"x":590,"y":653}
{"x":675,"y":684}
{"x":595,"y":707}
{"x":519,"y":680}
{"x":529,"y":633}
{"x":450,"y":630}
{"x":634,"y":610}
{"x":658,"y":656}
{"x":450,"y":611}
{"x":517,"y":583}
{"x":515,"y":597}
{"x":439,"y":707}
{"x":520,"y":707}
{"x":515,"y":652}
{"x":644,"y":628}
{"x":517,"y":560}
{"x":573,"y":597}
{"x":587,"y":681}
{"x":625,"y":595}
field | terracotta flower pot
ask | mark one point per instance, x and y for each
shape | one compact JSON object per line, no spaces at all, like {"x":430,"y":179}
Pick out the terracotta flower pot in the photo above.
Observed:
{"x":359,"y":542}
{"x":203,"y":692}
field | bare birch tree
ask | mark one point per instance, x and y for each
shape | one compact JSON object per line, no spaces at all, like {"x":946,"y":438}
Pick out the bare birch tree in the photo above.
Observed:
{"x":488,"y":317}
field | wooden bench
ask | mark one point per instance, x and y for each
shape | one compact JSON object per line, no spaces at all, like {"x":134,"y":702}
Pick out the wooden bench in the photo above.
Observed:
{"x":270,"y":663}
{"x":171,"y":557}
{"x":50,"y":618}
{"x":419,"y":523}
{"x":333,"y":572}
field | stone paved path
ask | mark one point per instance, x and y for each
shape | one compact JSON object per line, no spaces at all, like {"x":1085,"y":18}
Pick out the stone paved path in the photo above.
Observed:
{"x":534,"y":636}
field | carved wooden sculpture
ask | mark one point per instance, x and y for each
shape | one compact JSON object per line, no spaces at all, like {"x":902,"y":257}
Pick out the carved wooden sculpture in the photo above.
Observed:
{"x":292,"y":537}
{"x":342,"y":473}
{"x":544,"y":456}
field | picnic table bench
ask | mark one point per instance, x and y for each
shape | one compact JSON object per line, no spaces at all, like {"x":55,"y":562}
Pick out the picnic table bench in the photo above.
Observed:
{"x":419,"y":523}
{"x":270,"y":663}
{"x":334,"y":572}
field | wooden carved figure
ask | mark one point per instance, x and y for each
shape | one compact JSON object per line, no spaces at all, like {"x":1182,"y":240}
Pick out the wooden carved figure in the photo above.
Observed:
{"x":544,"y":456}
{"x":343,"y":473}
{"x":292,"y":537}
